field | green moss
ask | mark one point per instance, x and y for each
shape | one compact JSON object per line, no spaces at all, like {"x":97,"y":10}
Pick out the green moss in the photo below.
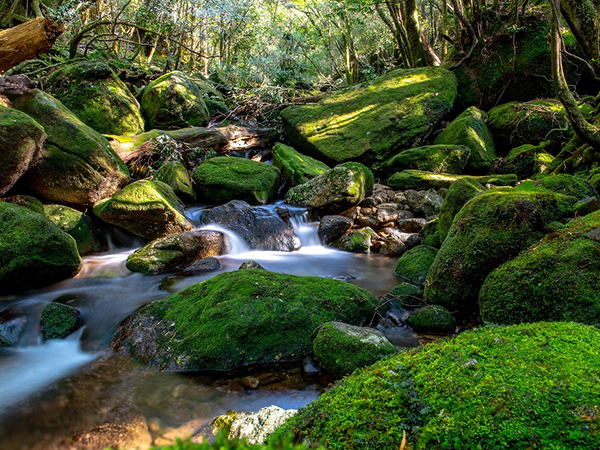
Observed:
{"x":528,"y":160}
{"x":522,"y":387}
{"x":240,"y":318}
{"x":432,"y":158}
{"x":92,"y":91}
{"x":431,"y":233}
{"x":404,"y":295}
{"x":221,"y":443}
{"x":458,"y":194}
{"x":595,"y":181}
{"x":371,"y":123}
{"x":470,"y":129}
{"x":31,"y":203}
{"x":221,"y":179}
{"x":358,"y":241}
{"x":557,"y":279}
{"x":342,"y":348}
{"x":33,"y":251}
{"x":176,"y":175}
{"x":432,"y":319}
{"x":176,"y":99}
{"x":149,"y":209}
{"x":88,"y":237}
{"x":59,"y":321}
{"x":296,"y":168}
{"x":420,"y":180}
{"x":414,"y":265}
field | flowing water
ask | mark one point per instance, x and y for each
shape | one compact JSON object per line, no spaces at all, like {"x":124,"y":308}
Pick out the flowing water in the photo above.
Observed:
{"x":52,"y":391}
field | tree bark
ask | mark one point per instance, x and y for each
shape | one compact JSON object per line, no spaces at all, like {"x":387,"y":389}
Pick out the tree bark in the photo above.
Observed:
{"x":584,"y":21}
{"x":26,"y":41}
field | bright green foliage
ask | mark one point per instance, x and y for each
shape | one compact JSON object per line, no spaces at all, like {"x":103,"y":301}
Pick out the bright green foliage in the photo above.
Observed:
{"x":432,"y":158}
{"x":432,"y":319}
{"x":420,"y":180}
{"x":92,"y":91}
{"x":176,"y":99}
{"x":33,"y":251}
{"x":240,"y":318}
{"x":492,"y":228}
{"x":78,"y":166}
{"x":58,"y":321}
{"x":222,"y":443}
{"x":295,"y":167}
{"x":528,"y":160}
{"x":557,"y":279}
{"x":341,"y":187}
{"x":222,"y":179}
{"x":371,"y":123}
{"x":21,"y":141}
{"x":458,"y":194}
{"x":80,"y":226}
{"x":520,"y":388}
{"x":414,"y":265}
{"x":342,"y":348}
{"x":176,"y":175}
{"x":470,"y":129}
{"x":149,"y":209}
{"x":358,"y":241}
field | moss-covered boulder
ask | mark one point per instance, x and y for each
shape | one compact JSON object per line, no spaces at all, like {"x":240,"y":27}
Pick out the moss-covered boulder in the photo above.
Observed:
{"x":519,"y":387}
{"x":421,"y":180}
{"x":149,"y":209}
{"x":342,"y":348}
{"x":295,"y":167}
{"x":470,"y":129}
{"x":175,"y":174}
{"x":221,"y":179}
{"x":414,"y":265}
{"x":58,"y":321}
{"x":528,"y":160}
{"x":339,"y":188}
{"x":78,"y":166}
{"x":33,"y":251}
{"x":80,"y":226}
{"x":457,"y":196}
{"x":370,"y":123}
{"x":21,"y":143}
{"x":432,"y":236}
{"x":358,"y":241}
{"x":176,"y":252}
{"x":239,"y":318}
{"x":26,"y":201}
{"x":432,"y":319}
{"x":515,"y":124}
{"x":557,"y":279}
{"x":92,"y":91}
{"x":176,"y":100}
{"x":492,"y":228}
{"x":431,"y":158}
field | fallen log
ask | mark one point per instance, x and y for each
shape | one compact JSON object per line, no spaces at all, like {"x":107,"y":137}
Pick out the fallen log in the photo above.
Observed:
{"x":26,"y":41}
{"x":242,"y":138}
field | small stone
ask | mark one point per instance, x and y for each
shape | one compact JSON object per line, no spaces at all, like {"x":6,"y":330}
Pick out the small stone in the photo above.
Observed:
{"x":251,"y":265}
{"x":363,"y":222}
{"x":400,"y":198}
{"x":204,"y":265}
{"x":414,"y":225}
{"x":250,"y":382}
{"x":368,"y":202}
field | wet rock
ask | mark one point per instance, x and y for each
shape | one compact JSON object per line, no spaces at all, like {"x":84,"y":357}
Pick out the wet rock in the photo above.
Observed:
{"x":310,"y":371}
{"x":432,"y":319}
{"x":332,"y":228}
{"x":59,"y":321}
{"x":358,"y":241}
{"x":260,"y":228}
{"x":251,"y":265}
{"x":250,"y":382}
{"x":209,"y":264}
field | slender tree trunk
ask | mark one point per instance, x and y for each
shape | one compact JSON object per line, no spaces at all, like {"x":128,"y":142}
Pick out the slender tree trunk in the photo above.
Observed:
{"x":584,"y":21}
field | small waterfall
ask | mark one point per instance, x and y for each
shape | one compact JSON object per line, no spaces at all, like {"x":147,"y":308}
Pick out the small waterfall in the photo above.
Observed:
{"x":235,"y":244}
{"x":306,"y":231}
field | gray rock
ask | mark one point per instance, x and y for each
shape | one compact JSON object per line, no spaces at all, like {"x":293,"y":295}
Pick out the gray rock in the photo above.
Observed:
{"x":204,"y":265}
{"x":251,"y":265}
{"x":586,"y":206}
{"x":256,"y":427}
{"x":332,"y":228}
{"x":414,"y":225}
{"x":429,"y":205}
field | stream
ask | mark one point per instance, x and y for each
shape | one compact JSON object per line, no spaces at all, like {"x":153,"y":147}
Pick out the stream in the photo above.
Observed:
{"x":51,"y":391}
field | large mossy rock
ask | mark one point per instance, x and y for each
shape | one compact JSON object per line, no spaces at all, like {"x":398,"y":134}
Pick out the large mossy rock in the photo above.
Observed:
{"x":260,"y":228}
{"x":78,"y":166}
{"x":21,"y":144}
{"x":459,"y":193}
{"x":421,"y":180}
{"x":33,"y":251}
{"x":450,"y":159}
{"x":371,"y":123}
{"x":432,"y":319}
{"x":494,"y":227}
{"x":239,"y":318}
{"x":175,"y":174}
{"x":176,"y":252}
{"x":176,"y":100}
{"x":414,"y":265}
{"x":341,"y":348}
{"x":295,"y":167}
{"x":149,"y":209}
{"x":80,"y":226}
{"x":222,"y":179}
{"x":529,"y":160}
{"x":470,"y":129}
{"x":92,"y":91}
{"x":557,"y":279}
{"x":520,"y":387}
{"x":339,"y":188}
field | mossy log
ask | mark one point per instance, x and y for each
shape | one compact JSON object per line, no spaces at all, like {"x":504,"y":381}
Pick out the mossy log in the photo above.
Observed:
{"x":27,"y":40}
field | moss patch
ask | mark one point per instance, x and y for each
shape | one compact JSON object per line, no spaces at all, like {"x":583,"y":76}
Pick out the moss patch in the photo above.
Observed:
{"x":414,"y":265}
{"x":432,"y":158}
{"x":295,"y":167}
{"x":81,"y":227}
{"x":432,"y":319}
{"x":59,"y":321}
{"x":528,"y":160}
{"x":176,"y":175}
{"x":358,"y":241}
{"x":420,"y":180}
{"x":457,"y":196}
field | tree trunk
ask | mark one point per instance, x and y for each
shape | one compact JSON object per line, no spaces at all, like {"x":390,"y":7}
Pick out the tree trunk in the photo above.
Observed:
{"x":26,"y":41}
{"x":584,"y":21}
